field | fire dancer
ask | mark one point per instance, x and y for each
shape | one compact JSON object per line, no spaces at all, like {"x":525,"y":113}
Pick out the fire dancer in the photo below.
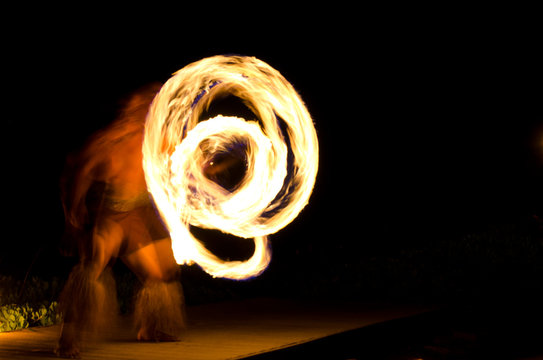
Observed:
{"x":110,"y":215}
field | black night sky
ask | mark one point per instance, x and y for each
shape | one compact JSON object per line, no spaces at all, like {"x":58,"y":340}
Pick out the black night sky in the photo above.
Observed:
{"x":429,"y":131}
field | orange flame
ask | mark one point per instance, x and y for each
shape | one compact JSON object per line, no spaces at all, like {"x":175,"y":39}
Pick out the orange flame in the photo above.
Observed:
{"x":280,"y":157}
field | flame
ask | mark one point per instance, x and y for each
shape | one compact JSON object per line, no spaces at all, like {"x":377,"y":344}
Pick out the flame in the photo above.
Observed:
{"x":279,"y":149}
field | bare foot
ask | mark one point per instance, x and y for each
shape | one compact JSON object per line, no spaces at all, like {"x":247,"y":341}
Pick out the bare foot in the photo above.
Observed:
{"x":68,"y":344}
{"x":70,"y":351}
{"x":158,"y":336}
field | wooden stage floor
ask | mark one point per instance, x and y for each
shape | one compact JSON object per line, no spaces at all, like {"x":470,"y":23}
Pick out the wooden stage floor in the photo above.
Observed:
{"x":229,"y":330}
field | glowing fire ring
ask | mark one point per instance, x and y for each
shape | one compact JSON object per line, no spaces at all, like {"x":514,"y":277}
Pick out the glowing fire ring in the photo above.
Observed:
{"x":281,"y":155}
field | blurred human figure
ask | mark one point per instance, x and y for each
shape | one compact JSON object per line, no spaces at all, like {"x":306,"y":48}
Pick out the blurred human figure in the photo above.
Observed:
{"x":109,"y":215}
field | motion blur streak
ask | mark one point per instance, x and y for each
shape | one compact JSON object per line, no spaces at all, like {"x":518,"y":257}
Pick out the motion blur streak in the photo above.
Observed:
{"x":183,"y":156}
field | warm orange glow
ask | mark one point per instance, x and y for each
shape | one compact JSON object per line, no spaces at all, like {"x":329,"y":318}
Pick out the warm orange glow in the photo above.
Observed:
{"x":178,"y":148}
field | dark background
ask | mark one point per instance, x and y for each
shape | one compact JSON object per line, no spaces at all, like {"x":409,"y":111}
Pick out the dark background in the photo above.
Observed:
{"x":431,"y":146}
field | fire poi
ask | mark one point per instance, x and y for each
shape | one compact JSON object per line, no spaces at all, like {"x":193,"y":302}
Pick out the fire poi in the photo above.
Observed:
{"x":161,"y":145}
{"x":279,"y":149}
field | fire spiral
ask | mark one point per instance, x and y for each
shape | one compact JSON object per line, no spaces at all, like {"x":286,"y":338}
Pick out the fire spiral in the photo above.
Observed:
{"x":278,"y":150}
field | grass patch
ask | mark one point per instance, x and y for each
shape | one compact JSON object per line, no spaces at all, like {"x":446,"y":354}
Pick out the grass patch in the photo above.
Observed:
{"x":29,"y":302}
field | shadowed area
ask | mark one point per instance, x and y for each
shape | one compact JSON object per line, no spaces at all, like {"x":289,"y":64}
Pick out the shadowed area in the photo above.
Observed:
{"x":229,"y":330}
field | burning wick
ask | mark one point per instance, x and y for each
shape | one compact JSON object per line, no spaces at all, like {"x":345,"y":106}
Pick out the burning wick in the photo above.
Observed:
{"x":184,"y":157}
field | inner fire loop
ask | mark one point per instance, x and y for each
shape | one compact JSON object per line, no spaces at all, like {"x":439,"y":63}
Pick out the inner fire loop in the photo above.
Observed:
{"x":279,"y":149}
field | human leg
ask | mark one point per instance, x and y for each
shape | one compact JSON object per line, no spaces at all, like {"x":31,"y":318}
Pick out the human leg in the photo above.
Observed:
{"x":88,"y":300}
{"x":159,"y":306}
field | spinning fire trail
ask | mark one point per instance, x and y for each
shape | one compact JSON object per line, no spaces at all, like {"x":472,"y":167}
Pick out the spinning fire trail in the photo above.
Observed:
{"x":181,"y":153}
